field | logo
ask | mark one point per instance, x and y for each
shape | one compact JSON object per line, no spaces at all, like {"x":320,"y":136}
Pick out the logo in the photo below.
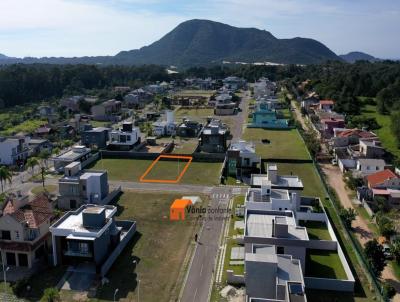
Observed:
{"x":177,"y":209}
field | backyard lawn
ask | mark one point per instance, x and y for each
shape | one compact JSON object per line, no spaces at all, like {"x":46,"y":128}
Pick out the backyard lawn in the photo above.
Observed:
{"x":198,"y":173}
{"x":324,"y":264}
{"x":316,"y":230}
{"x":309,"y":176}
{"x":185,"y":145}
{"x":160,"y":248}
{"x":385,"y":135}
{"x":283,"y":144}
{"x":193,"y":92}
{"x":195,"y":114}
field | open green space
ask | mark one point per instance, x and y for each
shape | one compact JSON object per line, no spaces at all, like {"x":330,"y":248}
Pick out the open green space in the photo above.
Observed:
{"x":324,"y":264}
{"x":283,"y":144}
{"x":316,"y":230}
{"x":160,"y":248}
{"x":198,"y":173}
{"x":185,"y":145}
{"x":194,"y":114}
{"x":313,"y":186}
{"x":385,"y":134}
{"x":47,"y":188}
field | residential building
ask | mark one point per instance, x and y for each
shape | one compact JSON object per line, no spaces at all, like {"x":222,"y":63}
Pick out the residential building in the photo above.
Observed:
{"x":189,"y":128}
{"x":107,"y":111}
{"x":43,"y":131}
{"x":224,"y":105}
{"x":37,"y":146}
{"x":366,"y":166}
{"x":265,"y":117}
{"x":24,"y":231}
{"x":71,"y":103}
{"x":371,"y":149}
{"x":90,"y":235}
{"x":98,"y":137}
{"x":138,"y":98}
{"x":13,"y":150}
{"x":76,"y":153}
{"x":264,"y":88}
{"x":344,"y":137}
{"x":213,"y":138}
{"x":125,"y":138}
{"x":234,"y":83}
{"x":326,"y":105}
{"x":329,"y":124}
{"x":166,"y":127}
{"x":79,"y":187}
{"x":242,"y":159}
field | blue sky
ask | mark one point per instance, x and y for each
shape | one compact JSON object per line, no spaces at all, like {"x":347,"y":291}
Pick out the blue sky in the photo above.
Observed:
{"x":105,"y":27}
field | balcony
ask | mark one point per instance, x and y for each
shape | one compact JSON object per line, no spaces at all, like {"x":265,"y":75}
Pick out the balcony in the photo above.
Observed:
{"x":78,"y":253}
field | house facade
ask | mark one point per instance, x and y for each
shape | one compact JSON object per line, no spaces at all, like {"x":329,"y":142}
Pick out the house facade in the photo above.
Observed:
{"x":125,"y":138}
{"x":265,"y":117}
{"x":107,"y":111}
{"x":90,"y":235}
{"x":24,"y":230}
{"x":214,"y":137}
{"x":13,"y":150}
{"x":95,"y":137}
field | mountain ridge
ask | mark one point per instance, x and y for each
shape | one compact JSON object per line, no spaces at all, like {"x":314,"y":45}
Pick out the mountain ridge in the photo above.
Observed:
{"x":202,"y":42}
{"x":354,"y":56}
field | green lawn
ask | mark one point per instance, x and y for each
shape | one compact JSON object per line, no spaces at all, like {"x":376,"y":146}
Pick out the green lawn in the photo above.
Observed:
{"x":316,"y":230}
{"x":284,"y":144}
{"x":308,"y":175}
{"x":198,"y":173}
{"x":193,"y":92}
{"x":160,"y":247}
{"x":185,"y":145}
{"x":40,"y":189}
{"x":384,"y":132}
{"x":324,"y":264}
{"x":196,"y":114}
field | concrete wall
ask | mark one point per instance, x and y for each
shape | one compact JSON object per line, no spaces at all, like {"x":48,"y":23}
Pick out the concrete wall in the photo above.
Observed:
{"x":310,"y":244}
{"x":128,"y":226}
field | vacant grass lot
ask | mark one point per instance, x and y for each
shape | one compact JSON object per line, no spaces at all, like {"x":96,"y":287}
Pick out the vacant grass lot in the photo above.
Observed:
{"x":284,"y":144}
{"x":185,"y":145}
{"x":160,"y":248}
{"x":316,"y":230}
{"x":195,"y":114}
{"x":324,"y":264}
{"x":198,"y":173}
{"x":384,"y":133}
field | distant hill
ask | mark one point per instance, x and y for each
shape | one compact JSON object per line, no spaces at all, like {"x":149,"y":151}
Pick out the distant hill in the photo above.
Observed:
{"x":203,"y":42}
{"x":3,"y":57}
{"x":354,"y":56}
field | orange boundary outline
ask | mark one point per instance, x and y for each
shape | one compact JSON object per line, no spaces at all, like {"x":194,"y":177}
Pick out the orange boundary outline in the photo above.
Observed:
{"x":174,"y":181}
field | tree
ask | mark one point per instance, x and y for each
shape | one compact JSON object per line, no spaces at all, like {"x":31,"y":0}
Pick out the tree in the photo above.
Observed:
{"x":31,"y":163}
{"x":395,"y":250}
{"x":348,"y":215}
{"x":388,"y":290}
{"x":44,"y":155}
{"x":5,"y":176}
{"x":385,"y":225}
{"x":375,"y":255}
{"x":395,"y":126}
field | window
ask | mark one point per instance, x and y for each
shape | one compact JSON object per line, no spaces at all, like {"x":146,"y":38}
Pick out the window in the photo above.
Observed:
{"x":17,"y":235}
{"x":377,"y":168}
{"x":367,"y":167}
{"x":83,"y":188}
{"x":280,"y":250}
{"x":128,"y":138}
{"x":6,"y":235}
{"x":84,"y":247}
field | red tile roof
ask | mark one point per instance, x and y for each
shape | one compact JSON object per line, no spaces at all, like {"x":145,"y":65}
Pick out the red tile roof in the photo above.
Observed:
{"x":356,"y":132}
{"x":327,"y":102}
{"x":379,"y":177}
{"x":34,"y":213}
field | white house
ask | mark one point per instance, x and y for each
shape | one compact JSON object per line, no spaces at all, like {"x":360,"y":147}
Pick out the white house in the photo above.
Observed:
{"x":13,"y":150}
{"x":125,"y":138}
{"x":168,"y":127}
{"x":367,"y":166}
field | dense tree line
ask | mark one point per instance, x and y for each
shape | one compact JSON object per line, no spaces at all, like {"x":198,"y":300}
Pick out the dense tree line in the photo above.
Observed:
{"x":20,"y":84}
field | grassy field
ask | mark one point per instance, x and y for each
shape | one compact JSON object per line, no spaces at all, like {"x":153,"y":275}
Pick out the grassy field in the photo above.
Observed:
{"x":316,"y":230}
{"x":284,"y":144}
{"x":384,"y":133}
{"x":324,"y":264}
{"x":185,"y":145}
{"x":198,"y":173}
{"x":195,"y":114}
{"x":160,"y":247}
{"x":40,"y":189}
{"x":308,"y":175}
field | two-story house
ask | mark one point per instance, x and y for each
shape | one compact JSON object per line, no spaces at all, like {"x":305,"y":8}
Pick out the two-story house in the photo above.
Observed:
{"x":90,"y":235}
{"x":13,"y":150}
{"x":24,"y":230}
{"x":125,"y":138}
{"x":78,"y":187}
{"x":107,"y":111}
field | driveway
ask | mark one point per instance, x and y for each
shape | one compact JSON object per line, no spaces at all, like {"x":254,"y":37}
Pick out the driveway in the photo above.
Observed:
{"x":78,"y":278}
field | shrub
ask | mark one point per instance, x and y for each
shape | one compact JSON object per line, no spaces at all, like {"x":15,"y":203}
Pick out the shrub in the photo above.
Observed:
{"x":19,"y":287}
{"x":50,"y":295}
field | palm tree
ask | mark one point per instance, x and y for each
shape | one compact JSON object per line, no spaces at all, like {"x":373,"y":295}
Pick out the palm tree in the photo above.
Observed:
{"x":31,"y":163}
{"x":44,"y":156}
{"x":5,"y":175}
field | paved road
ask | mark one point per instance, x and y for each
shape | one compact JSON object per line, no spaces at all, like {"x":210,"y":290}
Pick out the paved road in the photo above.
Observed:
{"x":199,"y":276}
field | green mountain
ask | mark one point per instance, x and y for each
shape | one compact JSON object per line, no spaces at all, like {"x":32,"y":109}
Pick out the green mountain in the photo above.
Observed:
{"x":354,"y":56}
{"x":204,"y":42}
{"x":197,"y":42}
